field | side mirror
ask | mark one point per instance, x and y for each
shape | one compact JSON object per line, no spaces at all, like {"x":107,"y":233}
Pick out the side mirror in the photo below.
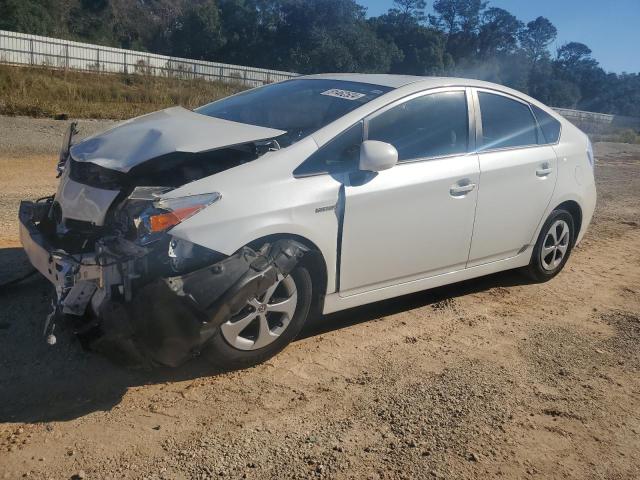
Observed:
{"x":377,"y":156}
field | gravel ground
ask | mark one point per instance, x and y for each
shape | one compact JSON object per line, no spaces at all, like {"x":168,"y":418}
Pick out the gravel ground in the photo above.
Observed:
{"x":493,"y":377}
{"x":21,"y":136}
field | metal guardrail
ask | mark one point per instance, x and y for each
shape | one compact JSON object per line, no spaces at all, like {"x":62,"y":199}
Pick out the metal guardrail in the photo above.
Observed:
{"x":35,"y":50}
{"x":595,"y":118}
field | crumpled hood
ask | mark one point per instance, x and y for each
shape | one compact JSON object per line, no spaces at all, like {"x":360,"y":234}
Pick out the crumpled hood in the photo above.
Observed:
{"x":171,"y":130}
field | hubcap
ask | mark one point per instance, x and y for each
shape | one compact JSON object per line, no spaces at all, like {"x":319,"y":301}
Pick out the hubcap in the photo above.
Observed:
{"x":555,"y":245}
{"x":263,"y":319}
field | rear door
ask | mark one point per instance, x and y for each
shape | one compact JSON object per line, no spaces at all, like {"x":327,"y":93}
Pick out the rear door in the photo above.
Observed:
{"x":517,"y":177}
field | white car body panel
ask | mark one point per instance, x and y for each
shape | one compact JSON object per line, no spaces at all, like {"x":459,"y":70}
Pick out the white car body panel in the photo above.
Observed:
{"x":512,"y":200}
{"x":516,"y":211}
{"x":403,"y":231}
{"x":171,"y":130}
{"x":391,"y":219}
{"x":576,"y":176}
{"x":258,"y":200}
{"x":334,"y":302}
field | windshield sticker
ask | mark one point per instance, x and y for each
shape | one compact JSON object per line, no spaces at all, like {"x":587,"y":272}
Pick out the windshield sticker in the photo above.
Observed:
{"x":346,"y":94}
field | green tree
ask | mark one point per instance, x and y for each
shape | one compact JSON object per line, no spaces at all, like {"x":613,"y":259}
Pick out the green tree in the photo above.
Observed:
{"x":422,"y":48}
{"x":197,"y":32}
{"x":458,"y":15}
{"x":409,"y":11}
{"x":536,"y":38}
{"x":574,"y":53}
{"x":28,"y":16}
{"x":575,"y":64}
{"x":498,"y":33}
{"x":248,"y":27}
{"x":330,"y":35}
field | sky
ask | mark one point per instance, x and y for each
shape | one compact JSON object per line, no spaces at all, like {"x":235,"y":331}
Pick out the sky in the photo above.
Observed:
{"x":611,"y":28}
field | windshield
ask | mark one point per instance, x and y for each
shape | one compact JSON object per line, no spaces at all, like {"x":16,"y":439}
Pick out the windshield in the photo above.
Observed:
{"x":299,"y":107}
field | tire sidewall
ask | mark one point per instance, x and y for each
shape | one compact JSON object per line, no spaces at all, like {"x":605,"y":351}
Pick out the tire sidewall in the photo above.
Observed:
{"x":222,"y":354}
{"x":535,"y":267}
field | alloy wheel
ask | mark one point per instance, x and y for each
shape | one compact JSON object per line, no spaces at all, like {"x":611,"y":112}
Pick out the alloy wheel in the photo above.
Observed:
{"x":263,"y":319}
{"x":555,"y":245}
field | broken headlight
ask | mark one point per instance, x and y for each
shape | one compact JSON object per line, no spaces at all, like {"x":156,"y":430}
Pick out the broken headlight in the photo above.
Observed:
{"x":166,"y":213}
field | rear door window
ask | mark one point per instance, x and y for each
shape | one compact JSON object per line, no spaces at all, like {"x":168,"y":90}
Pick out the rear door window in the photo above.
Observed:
{"x":550,"y":126}
{"x":433,"y":125}
{"x":506,"y":123}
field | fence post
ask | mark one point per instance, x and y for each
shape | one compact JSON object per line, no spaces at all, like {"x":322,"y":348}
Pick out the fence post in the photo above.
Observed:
{"x":31,"y":50}
{"x":66,"y":56}
{"x":245,"y":78}
{"x":98,"y":59}
{"x":125,"y":64}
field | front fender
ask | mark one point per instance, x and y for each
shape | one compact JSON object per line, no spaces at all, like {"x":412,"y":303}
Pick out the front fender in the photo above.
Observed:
{"x":262,"y":199}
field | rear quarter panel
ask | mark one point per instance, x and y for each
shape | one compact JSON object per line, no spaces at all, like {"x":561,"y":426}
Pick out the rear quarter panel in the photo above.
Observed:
{"x":576,"y":179}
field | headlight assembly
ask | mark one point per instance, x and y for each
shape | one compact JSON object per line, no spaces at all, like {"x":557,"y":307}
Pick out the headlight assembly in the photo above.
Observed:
{"x":166,"y":213}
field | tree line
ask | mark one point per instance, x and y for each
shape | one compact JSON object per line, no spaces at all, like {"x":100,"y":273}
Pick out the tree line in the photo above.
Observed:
{"x":467,"y":38}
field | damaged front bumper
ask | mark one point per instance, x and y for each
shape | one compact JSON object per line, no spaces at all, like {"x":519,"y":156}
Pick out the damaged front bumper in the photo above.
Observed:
{"x":125,"y":309}
{"x":78,"y":279}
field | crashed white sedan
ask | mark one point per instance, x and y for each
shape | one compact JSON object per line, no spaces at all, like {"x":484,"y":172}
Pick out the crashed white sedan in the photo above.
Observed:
{"x":219,"y":231}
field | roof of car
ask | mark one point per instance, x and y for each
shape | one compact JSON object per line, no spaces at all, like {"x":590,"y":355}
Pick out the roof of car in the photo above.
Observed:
{"x":397,"y":81}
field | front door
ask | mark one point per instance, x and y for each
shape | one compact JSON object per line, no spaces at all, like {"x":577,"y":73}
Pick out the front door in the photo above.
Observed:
{"x":414,"y":220}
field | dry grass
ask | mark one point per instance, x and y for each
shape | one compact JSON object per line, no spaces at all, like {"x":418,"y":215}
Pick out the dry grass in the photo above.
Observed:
{"x":39,"y":92}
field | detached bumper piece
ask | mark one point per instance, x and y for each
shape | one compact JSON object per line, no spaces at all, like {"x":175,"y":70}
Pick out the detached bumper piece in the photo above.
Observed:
{"x":124,"y":310}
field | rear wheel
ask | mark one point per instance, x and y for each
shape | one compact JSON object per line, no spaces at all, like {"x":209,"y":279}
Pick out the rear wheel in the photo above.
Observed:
{"x":553,"y":248}
{"x":265,"y":325}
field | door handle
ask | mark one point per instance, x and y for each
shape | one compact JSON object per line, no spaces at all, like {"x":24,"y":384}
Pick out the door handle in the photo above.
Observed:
{"x":461,"y":190}
{"x":544,"y":170}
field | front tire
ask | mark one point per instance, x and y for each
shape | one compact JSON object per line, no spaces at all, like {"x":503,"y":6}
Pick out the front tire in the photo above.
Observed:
{"x":553,"y":247}
{"x":265,"y":326}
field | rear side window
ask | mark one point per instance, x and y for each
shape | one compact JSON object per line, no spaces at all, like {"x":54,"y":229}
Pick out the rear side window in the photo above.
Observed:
{"x":339,"y":155}
{"x":505,"y":123}
{"x":550,"y":126}
{"x":428,"y":126}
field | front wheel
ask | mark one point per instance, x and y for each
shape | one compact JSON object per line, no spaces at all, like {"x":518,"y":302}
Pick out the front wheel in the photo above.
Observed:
{"x":553,"y":247}
{"x":265,"y":325}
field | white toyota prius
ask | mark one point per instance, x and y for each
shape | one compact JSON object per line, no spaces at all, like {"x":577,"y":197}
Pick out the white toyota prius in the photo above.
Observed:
{"x":219,"y":231}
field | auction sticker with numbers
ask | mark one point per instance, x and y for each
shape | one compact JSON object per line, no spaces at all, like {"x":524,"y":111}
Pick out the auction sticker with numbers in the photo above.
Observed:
{"x":346,"y":94}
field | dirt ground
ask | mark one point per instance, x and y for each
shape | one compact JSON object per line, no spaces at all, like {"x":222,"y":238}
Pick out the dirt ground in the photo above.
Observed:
{"x":493,"y":377}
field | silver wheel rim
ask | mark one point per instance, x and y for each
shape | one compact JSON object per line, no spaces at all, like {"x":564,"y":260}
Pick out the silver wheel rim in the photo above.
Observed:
{"x":263,"y":319}
{"x":555,"y":245}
